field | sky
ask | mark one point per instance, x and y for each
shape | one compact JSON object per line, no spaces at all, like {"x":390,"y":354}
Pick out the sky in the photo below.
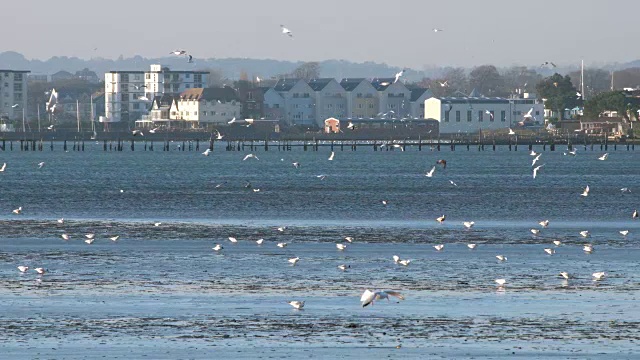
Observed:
{"x":399,"y":33}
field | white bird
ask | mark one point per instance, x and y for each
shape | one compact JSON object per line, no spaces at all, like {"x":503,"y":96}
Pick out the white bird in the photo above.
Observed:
{"x":533,"y":153}
{"x":368,"y":297}
{"x":549,"y":251}
{"x":90,"y":236}
{"x":351,"y":126}
{"x":178,"y":52}
{"x":344,"y":267}
{"x":40,"y":271}
{"x":585,"y":192}
{"x":298,"y":305}
{"x":232,"y":239}
{"x":4,"y":166}
{"x":232,"y":121}
{"x":436,"y":30}
{"x":282,"y":244}
{"x":90,"y":241}
{"x":281,"y":228}
{"x":259,"y":241}
{"x":61,"y":221}
{"x":137,"y":132}
{"x":444,"y":84}
{"x":385,"y":202}
{"x":557,"y":242}
{"x":219,"y":136}
{"x":501,"y":282}
{"x":23,"y":268}
{"x":256,"y":190}
{"x":535,"y":231}
{"x":296,"y":164}
{"x":248,"y":156}
{"x":218,"y":247}
{"x":588,"y":248}
{"x":114,"y":238}
{"x":584,"y":233}
{"x":17,"y":211}
{"x":604,"y":157}
{"x":472,"y":246}
{"x":598,"y":275}
{"x":396,"y":258}
{"x":511,"y":132}
{"x":430,"y":172}
{"x":206,"y":152}
{"x":501,"y":257}
{"x":453,"y":183}
{"x":331,"y":156}
{"x":65,"y":236}
{"x":398,"y":75}
{"x":544,"y":223}
{"x":441,"y":219}
{"x":157,"y":224}
{"x":405,"y":262}
{"x":348,"y":238}
{"x":625,"y":189}
{"x":341,"y":246}
{"x":624,"y":232}
{"x":40,"y":165}
{"x":489,"y":113}
{"x":286,"y":31}
{"x":528,"y":114}
{"x":572,"y":152}
{"x":535,"y":160}
{"x":565,"y":275}
{"x":634,"y":215}
{"x":294,"y":260}
{"x":468,"y":224}
{"x":438,"y":247}
{"x":535,"y":170}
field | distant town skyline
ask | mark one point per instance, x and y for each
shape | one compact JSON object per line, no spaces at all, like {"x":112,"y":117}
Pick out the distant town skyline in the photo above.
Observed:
{"x":397,"y":33}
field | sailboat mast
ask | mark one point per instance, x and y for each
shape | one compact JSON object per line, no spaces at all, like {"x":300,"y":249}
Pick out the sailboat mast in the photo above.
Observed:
{"x":78,"y":113}
{"x":582,"y":81}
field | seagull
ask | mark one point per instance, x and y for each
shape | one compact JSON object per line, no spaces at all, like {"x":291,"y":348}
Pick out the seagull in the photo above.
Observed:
{"x":585,"y":193}
{"x":350,"y":126}
{"x":40,"y":271}
{"x":331,"y":156}
{"x":90,"y":241}
{"x":231,"y":121}
{"x":298,"y":305}
{"x":468,"y":224}
{"x":398,"y":75}
{"x":61,"y":221}
{"x":282,"y":244}
{"x":90,"y":236}
{"x":430,"y":172}
{"x":206,"y":152}
{"x":528,"y":114}
{"x":535,"y":170}
{"x":544,"y":223}
{"x":625,"y":189}
{"x":190,"y":61}
{"x":436,"y":30}
{"x":294,"y":261}
{"x":533,"y":153}
{"x":444,"y":84}
{"x":584,"y":233}
{"x":137,"y":87}
{"x":511,"y":132}
{"x":438,"y":247}
{"x":471,"y":246}
{"x":501,"y":282}
{"x":588,"y":248}
{"x":348,"y":238}
{"x":259,"y":241}
{"x":250,"y":156}
{"x":489,"y":113}
{"x":219,"y":136}
{"x":557,"y":242}
{"x":385,"y":202}
{"x":18,"y":211}
{"x":604,"y":157}
{"x":624,"y":232}
{"x":344,"y":267}
{"x":398,"y":146}
{"x":282,"y":228}
{"x":178,"y":52}
{"x":114,"y":238}
{"x":441,"y":219}
{"x":65,"y":236}
{"x":286,"y":31}
{"x":565,"y":275}
{"x":442,"y":162}
{"x":23,"y":268}
{"x":157,"y":224}
{"x":321,"y":177}
{"x":501,"y":257}
{"x":296,"y":165}
{"x":597,"y":276}
{"x":572,"y":152}
{"x":549,"y":251}
{"x":635,"y":214}
{"x":405,"y":262}
{"x":232,"y":239}
{"x":453,"y":183}
{"x":535,"y":231}
{"x":50,"y":127}
{"x":368,"y":297}
{"x":137,"y":132}
{"x":548,"y":63}
{"x":535,"y":160}
{"x":218,"y":247}
{"x":341,"y":246}
{"x":40,"y":165}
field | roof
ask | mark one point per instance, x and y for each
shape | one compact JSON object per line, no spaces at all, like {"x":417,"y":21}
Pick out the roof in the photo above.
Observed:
{"x":213,"y":93}
{"x":381,"y":84}
{"x":15,"y":71}
{"x":164,"y":100}
{"x":418,"y":92}
{"x":474,"y":100}
{"x":264,"y":89}
{"x":285,"y":84}
{"x":62,"y":72}
{"x":351,"y":84}
{"x":319,"y":84}
{"x":475,"y":93}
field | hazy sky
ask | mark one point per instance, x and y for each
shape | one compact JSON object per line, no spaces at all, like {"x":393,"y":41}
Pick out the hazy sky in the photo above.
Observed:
{"x":399,"y":32}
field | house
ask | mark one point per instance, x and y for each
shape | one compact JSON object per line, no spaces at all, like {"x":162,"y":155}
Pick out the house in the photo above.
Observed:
{"x":418,"y":96}
{"x":362,"y":98}
{"x":613,"y":126}
{"x":330,"y":99}
{"x":252,"y":99}
{"x":61,"y":75}
{"x":87,"y":75}
{"x":13,"y":93}
{"x":273,"y":104}
{"x":299,"y":102}
{"x":331,"y":126}
{"x":207,"y":107}
{"x":394,"y":98}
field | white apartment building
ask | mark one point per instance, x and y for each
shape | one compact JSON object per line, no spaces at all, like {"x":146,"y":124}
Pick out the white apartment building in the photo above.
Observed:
{"x":473,"y":114}
{"x":128,"y":94}
{"x":13,"y":93}
{"x":205,"y":107}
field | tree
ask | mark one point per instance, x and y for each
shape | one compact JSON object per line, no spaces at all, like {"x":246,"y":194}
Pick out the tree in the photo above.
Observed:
{"x":595,"y":81}
{"x":216,"y":78}
{"x":520,"y":79}
{"x":611,"y":101}
{"x":558,"y":92}
{"x":456,"y":82}
{"x":627,"y":78}
{"x":307,"y":71}
{"x":487,"y":81}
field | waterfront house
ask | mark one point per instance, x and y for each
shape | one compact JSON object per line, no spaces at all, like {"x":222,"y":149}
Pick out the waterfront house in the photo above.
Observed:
{"x":394,"y":98}
{"x":418,"y":96}
{"x":362,"y":98}
{"x":299,"y":102}
{"x":330,"y":99}
{"x":206,"y":107}
{"x":273,"y":104}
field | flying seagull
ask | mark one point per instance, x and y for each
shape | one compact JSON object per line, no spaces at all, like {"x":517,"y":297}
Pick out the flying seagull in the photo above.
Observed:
{"x":4,"y":166}
{"x":489,"y":113}
{"x":436,"y":30}
{"x":468,"y":224}
{"x":331,"y":156}
{"x":535,"y":170}
{"x":368,"y":297}
{"x":604,"y":157}
{"x":286,"y":31}
{"x":585,"y":193}
{"x":430,"y":172}
{"x":178,"y":52}
{"x":40,"y":165}
{"x":442,"y":162}
{"x":294,"y":261}
{"x":206,"y":152}
{"x":536,"y":159}
{"x":398,"y":75}
{"x":250,"y":156}
{"x":137,"y":132}
{"x":548,"y":63}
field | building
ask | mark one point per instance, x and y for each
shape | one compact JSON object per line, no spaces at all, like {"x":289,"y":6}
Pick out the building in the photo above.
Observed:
{"x":273,"y":104}
{"x":475,"y":113}
{"x":330,"y":99}
{"x":252,"y":99}
{"x":38,"y":78}
{"x":299,"y":102}
{"x":612,"y":126}
{"x":394,"y":98}
{"x":62,"y":75}
{"x":418,"y":97}
{"x":128,"y":94}
{"x":88,"y":76}
{"x":206,"y":107}
{"x":362,"y":98}
{"x":13,"y":93}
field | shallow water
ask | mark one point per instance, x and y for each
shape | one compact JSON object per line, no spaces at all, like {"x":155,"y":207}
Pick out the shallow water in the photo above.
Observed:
{"x":161,"y":292}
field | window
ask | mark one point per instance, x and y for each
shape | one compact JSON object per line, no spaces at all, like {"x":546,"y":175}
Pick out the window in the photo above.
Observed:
{"x":296,"y":95}
{"x":213,"y":113}
{"x":276,"y":106}
{"x":480,"y":114}
{"x":188,"y":86}
{"x":359,"y":106}
{"x":137,"y":77}
{"x":136,"y":106}
{"x":305,"y":95}
{"x":250,"y":95}
{"x":537,"y":113}
{"x":457,"y":115}
{"x":370,"y":106}
{"x":187,"y":76}
{"x":446,"y":116}
{"x":340,"y":106}
{"x":6,"y":84}
{"x":329,"y":106}
{"x":195,"y":113}
{"x":503,"y":116}
{"x":124,"y":97}
{"x":295,"y":106}
{"x":147,"y":76}
{"x":359,"y":95}
{"x":17,"y":97}
{"x":17,"y":77}
{"x":204,"y":113}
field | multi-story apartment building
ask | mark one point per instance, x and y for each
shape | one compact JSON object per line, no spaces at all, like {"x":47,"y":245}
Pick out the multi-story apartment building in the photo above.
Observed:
{"x":418,"y":96}
{"x":13,"y":93}
{"x":362,"y":98}
{"x":394,"y":98}
{"x":206,"y":107}
{"x":330,"y":99}
{"x":299,"y":101}
{"x":128,"y":94}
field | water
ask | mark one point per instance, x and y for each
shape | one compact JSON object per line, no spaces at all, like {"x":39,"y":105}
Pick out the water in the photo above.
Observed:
{"x":161,"y":292}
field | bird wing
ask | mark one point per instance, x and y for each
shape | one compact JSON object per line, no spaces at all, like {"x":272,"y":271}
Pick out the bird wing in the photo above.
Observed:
{"x":394,"y":293}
